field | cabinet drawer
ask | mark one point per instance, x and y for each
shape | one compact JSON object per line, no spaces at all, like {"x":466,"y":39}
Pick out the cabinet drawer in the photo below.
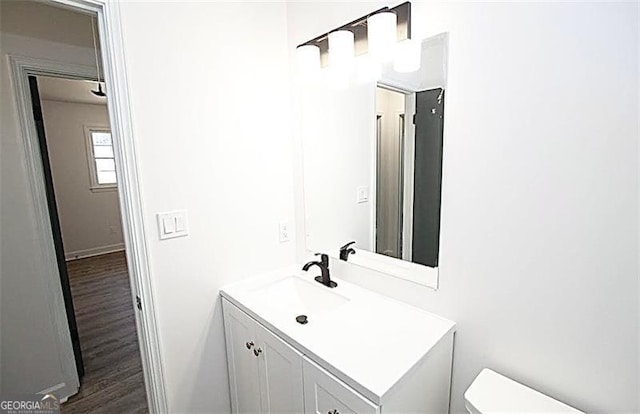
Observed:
{"x":326,"y":394}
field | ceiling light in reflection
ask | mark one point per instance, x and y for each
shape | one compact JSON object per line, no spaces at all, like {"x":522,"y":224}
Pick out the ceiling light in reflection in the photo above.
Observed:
{"x":408,"y":56}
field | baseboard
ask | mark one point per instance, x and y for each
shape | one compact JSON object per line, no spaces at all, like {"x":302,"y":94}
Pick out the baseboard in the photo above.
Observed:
{"x":96,"y":251}
{"x":52,"y":389}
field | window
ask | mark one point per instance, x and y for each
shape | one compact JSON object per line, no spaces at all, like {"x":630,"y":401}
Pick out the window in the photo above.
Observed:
{"x":102,"y":165}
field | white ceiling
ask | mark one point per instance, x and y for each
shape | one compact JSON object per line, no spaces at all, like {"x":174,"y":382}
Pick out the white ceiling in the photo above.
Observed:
{"x":67,"y":90}
{"x":42,"y":21}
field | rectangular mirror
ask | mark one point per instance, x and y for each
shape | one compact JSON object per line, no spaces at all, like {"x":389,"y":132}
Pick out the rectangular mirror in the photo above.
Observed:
{"x":373,"y":164}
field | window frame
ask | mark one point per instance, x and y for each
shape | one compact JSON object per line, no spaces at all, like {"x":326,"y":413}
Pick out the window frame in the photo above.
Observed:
{"x":94,"y":185}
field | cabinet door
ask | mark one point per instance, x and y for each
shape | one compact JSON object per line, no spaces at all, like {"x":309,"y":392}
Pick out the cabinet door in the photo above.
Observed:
{"x":280,"y":375}
{"x":326,"y":394}
{"x":240,"y":337}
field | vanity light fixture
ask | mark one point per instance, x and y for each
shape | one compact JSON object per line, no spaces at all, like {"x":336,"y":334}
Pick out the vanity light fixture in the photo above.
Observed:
{"x":341,"y":50}
{"x":308,"y":59}
{"x":388,"y":26}
{"x":381,"y":35}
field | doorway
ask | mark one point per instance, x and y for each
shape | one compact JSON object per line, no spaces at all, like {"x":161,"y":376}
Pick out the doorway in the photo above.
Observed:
{"x":390,"y":159}
{"x":58,"y":372}
{"x":78,"y":162}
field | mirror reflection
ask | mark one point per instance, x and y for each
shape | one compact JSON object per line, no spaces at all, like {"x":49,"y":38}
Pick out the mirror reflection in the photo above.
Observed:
{"x":373,"y":161}
{"x":409,"y":128}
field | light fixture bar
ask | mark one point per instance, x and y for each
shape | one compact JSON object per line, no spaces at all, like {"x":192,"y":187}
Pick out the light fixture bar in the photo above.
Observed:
{"x":359,"y":29}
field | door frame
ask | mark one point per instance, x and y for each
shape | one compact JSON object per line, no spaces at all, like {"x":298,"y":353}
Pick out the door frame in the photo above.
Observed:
{"x":109,"y":27}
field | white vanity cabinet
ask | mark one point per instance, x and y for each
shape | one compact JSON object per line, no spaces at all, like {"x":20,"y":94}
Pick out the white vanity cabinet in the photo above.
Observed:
{"x":357,"y":353}
{"x":326,"y":394}
{"x":265,"y":373}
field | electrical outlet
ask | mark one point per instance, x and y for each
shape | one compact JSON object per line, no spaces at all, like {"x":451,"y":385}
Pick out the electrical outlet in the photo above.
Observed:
{"x":284,"y":231}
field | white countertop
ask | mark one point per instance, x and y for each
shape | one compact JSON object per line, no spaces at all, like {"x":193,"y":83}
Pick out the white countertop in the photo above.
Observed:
{"x":370,"y":341}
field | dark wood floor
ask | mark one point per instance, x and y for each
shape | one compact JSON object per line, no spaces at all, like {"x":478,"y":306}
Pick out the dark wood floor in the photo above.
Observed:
{"x":113,"y":381}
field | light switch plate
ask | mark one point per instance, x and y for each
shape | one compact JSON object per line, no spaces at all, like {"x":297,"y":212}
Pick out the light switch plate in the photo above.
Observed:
{"x":181,"y":222}
{"x":168,"y":225}
{"x":363,"y":194}
{"x":172,"y":224}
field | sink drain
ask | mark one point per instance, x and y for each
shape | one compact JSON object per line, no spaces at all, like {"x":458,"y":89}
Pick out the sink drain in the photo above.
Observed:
{"x":301,"y":319}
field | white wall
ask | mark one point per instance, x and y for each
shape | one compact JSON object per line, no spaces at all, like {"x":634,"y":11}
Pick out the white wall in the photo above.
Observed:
{"x":90,"y":221}
{"x":211,"y":114}
{"x":539,"y":237}
{"x":336,"y":167}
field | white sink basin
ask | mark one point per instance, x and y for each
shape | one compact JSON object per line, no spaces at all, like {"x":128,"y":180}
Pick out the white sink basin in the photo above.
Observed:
{"x":299,"y":297}
{"x":366,"y":340}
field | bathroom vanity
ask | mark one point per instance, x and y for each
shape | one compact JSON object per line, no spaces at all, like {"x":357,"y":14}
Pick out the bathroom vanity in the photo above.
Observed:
{"x":297,"y":346}
{"x":371,"y":163}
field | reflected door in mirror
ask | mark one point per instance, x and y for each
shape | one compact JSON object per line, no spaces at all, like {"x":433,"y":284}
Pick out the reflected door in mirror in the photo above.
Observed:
{"x":429,"y":122}
{"x":408,"y":174}
{"x":390,"y":126}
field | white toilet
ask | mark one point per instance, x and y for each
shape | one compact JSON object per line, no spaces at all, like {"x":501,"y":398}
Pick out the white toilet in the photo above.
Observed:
{"x":492,"y":393}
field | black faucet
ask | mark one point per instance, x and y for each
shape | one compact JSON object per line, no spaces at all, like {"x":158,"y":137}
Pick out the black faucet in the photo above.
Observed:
{"x":323,"y":264}
{"x":346,"y":250}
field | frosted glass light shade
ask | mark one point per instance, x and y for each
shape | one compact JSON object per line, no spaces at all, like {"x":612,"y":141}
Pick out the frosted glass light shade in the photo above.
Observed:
{"x":341,"y":49}
{"x":308,"y":59}
{"x":382,"y":35}
{"x":408,"y":56}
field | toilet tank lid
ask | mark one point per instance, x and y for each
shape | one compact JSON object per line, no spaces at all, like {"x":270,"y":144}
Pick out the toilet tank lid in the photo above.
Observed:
{"x":491,"y":392}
